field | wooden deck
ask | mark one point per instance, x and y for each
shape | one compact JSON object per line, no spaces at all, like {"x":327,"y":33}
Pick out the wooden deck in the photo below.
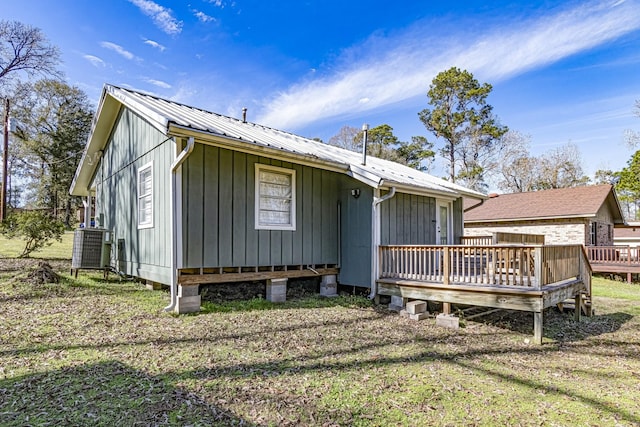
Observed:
{"x":516,"y":277}
{"x":615,"y":259}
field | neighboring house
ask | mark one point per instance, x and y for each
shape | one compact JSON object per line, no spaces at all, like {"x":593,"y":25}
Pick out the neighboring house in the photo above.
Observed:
{"x":580,"y":215}
{"x":627,"y":234}
{"x":194,"y":197}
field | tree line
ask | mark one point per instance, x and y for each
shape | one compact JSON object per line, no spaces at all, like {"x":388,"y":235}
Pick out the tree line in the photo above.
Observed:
{"x":480,"y":152}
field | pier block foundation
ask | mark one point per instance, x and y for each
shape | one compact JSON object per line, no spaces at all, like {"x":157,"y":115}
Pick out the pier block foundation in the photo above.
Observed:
{"x":329,"y":286}
{"x":188,"y":299}
{"x":277,"y":290}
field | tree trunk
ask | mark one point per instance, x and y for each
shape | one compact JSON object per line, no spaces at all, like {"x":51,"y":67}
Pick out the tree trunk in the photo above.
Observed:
{"x":452,"y":163}
{"x":67,"y":214}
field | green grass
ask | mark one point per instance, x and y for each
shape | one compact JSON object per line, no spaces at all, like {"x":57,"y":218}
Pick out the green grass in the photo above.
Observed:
{"x":94,"y":352}
{"x":11,"y":248}
{"x":620,"y":290}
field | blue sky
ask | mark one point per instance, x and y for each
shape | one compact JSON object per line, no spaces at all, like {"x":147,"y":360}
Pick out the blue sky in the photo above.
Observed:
{"x":561,"y":71}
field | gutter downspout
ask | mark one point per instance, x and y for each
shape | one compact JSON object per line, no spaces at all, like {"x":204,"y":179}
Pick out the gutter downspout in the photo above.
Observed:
{"x":375,"y":239}
{"x":176,"y":232}
{"x":87,"y":210}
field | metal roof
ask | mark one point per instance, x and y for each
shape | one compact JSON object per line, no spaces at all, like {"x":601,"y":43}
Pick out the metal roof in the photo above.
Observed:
{"x":167,"y":116}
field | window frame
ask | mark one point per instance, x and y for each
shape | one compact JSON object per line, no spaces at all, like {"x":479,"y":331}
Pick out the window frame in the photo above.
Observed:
{"x":141,"y":170}
{"x":259,"y":167}
{"x":593,"y":233}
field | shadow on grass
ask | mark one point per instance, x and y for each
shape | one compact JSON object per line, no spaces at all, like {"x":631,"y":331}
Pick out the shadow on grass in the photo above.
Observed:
{"x":306,"y":302}
{"x":341,"y":360}
{"x":558,"y":326}
{"x":108,"y":394}
{"x":111,"y":390}
{"x":148,"y":400}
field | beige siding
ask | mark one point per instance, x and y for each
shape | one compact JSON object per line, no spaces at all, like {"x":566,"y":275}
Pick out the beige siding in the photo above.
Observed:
{"x":555,"y":232}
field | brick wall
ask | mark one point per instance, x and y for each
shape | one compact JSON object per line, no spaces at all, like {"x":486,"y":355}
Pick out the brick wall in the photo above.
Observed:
{"x":555,"y":232}
{"x":604,"y":234}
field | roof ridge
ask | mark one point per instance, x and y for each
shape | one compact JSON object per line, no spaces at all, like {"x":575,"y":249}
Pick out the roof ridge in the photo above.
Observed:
{"x":181,"y":104}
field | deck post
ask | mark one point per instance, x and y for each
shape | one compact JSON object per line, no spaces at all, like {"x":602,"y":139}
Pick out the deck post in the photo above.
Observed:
{"x":538,"y":268}
{"x":538,"y":319}
{"x":446,"y":308}
{"x":578,"y":304}
{"x":446,"y":269}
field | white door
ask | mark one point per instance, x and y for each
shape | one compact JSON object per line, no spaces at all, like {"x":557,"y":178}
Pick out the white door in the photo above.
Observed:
{"x":443,"y":224}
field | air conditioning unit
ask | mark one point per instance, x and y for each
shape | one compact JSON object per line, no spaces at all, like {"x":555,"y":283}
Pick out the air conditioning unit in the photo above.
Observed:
{"x":91,"y":249}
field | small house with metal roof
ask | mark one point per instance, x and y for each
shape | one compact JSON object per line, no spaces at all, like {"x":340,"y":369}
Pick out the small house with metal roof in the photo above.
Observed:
{"x":191,"y":197}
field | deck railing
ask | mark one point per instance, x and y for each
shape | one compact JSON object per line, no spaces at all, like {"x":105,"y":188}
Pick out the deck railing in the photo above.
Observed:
{"x":502,"y":238}
{"x":520,"y":266}
{"x":476,"y":240}
{"x":623,"y":255}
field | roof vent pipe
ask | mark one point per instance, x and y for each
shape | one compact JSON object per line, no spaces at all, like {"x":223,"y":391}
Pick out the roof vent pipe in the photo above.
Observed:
{"x":365,"y":129}
{"x":244,"y":114}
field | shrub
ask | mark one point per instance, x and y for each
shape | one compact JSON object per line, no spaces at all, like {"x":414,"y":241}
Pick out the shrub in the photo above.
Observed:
{"x":37,"y":229}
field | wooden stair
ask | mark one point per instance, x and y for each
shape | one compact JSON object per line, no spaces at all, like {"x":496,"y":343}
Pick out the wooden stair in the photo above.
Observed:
{"x":569,"y":304}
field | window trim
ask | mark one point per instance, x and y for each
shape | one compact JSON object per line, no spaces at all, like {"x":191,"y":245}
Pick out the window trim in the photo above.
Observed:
{"x":275,"y":169}
{"x":593,"y":233}
{"x":141,"y":170}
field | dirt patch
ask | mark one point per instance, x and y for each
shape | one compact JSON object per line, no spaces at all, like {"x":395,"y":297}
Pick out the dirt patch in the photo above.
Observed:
{"x":9,"y":265}
{"x":43,"y":274}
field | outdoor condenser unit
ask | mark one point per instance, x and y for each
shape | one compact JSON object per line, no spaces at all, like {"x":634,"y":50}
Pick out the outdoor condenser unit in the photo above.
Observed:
{"x":91,"y":249}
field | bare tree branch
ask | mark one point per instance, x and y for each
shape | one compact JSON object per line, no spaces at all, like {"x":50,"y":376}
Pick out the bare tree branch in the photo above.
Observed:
{"x":25,"y":49}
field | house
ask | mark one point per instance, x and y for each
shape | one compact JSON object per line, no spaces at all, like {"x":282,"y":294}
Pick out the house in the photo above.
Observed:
{"x":193,"y":197}
{"x":627,"y":234}
{"x":580,"y":215}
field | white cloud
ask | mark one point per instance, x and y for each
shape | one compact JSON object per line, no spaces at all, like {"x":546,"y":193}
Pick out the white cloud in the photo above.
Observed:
{"x":161,"y":16}
{"x":203,"y":17}
{"x":119,"y":50}
{"x":391,"y":70}
{"x":95,"y":61}
{"x":158,"y":83}
{"x":218,"y":3}
{"x":154,"y":44}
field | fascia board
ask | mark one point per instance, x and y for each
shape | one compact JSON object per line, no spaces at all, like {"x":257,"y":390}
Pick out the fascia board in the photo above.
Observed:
{"x":541,"y":218}
{"x":106,"y":114}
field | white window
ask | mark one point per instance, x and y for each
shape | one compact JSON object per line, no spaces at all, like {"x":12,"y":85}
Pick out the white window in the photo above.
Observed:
{"x":275,"y":198}
{"x":145,"y":196}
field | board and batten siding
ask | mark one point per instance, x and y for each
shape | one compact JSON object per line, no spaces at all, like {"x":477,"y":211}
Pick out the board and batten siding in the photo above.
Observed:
{"x":133,"y":143}
{"x":458,"y":220}
{"x":218,"y":211}
{"x":408,"y":219}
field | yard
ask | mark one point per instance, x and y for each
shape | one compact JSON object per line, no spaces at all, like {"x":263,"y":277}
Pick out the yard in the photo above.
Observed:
{"x":94,"y":352}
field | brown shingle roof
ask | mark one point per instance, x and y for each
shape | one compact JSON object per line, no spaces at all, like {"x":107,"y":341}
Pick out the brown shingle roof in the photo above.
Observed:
{"x":556,"y":203}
